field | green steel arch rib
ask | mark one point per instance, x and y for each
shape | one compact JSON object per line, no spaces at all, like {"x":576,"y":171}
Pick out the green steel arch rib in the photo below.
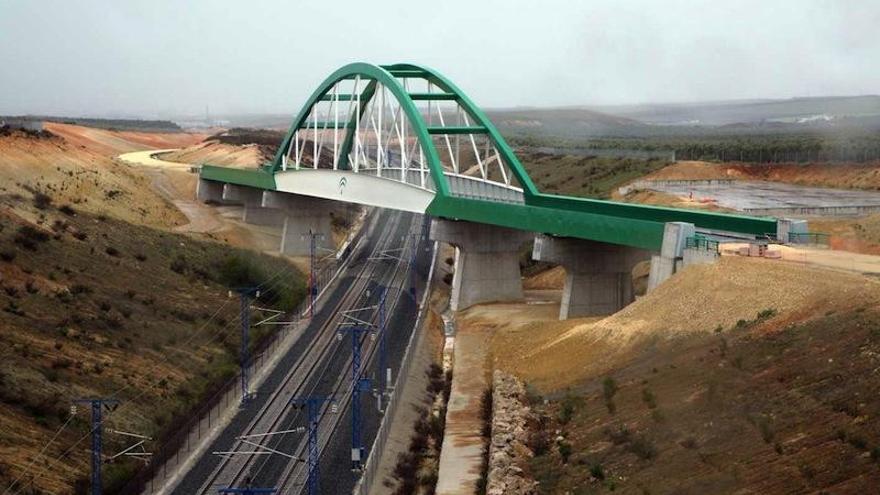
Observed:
{"x":381,"y":76}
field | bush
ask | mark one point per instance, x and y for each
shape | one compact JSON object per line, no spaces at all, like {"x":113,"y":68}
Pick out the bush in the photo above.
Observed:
{"x":28,"y":237}
{"x":609,"y":389}
{"x":568,"y":408}
{"x":112,"y":251}
{"x":564,"y":451}
{"x":649,"y":399}
{"x":67,"y":210}
{"x":597,"y":471}
{"x":283,"y":293}
{"x":643,"y":448}
{"x":179,"y":265}
{"x":7,"y":255}
{"x":42,"y":200}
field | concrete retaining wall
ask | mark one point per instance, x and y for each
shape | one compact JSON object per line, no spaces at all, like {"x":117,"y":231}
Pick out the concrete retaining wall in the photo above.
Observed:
{"x":640,"y":185}
{"x":818,"y":211}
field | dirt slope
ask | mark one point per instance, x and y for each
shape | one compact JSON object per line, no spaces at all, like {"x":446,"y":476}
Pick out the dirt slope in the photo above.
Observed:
{"x":100,"y":299}
{"x":215,"y":153}
{"x":77,"y":167}
{"x":552,"y":354}
{"x":748,"y":376}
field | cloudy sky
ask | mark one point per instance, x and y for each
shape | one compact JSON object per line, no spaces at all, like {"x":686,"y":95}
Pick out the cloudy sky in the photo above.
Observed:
{"x":159,"y":58}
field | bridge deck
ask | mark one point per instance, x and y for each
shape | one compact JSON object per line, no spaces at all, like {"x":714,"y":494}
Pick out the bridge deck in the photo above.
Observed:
{"x":625,"y":224}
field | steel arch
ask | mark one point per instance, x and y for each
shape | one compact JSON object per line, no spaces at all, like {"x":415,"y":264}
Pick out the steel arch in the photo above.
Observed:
{"x":387,"y":76}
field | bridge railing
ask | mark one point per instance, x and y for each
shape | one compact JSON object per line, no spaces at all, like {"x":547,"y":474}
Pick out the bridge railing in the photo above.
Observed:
{"x":702,"y":243}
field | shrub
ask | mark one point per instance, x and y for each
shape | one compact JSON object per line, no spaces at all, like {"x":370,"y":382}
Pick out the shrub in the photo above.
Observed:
{"x":539,"y":442}
{"x":649,"y":399}
{"x":179,"y":265}
{"x":609,"y":388}
{"x":140,"y":257}
{"x":567,"y":410}
{"x":67,"y":210}
{"x":7,"y":255}
{"x":564,"y":451}
{"x":766,"y":313}
{"x":597,"y":471}
{"x":112,"y":251}
{"x":619,"y":436}
{"x":42,"y":200}
{"x":689,"y":443}
{"x":28,"y":237}
{"x":80,"y":289}
{"x":80,"y":235}
{"x":643,"y":448}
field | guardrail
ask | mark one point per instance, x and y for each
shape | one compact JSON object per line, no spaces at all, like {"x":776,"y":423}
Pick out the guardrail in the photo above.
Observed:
{"x":810,"y":238}
{"x":371,"y":466}
{"x":702,"y":243}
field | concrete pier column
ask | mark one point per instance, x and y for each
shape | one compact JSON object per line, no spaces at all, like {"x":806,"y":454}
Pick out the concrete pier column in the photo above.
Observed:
{"x":486,"y":261}
{"x":254,"y":211}
{"x":598,"y":276}
{"x":209,"y":190}
{"x":302,"y":215}
{"x":670,"y":259}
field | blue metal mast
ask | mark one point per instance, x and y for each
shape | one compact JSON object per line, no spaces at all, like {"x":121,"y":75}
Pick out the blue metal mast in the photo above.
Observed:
{"x":97,"y":430}
{"x":358,"y":385}
{"x":313,"y":410}
{"x":245,"y":294}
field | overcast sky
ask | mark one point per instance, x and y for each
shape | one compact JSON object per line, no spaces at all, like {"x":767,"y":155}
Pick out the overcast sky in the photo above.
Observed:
{"x":157,"y":58}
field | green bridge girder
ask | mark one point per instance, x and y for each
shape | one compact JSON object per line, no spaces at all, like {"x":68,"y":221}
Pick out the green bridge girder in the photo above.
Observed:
{"x":613,"y":222}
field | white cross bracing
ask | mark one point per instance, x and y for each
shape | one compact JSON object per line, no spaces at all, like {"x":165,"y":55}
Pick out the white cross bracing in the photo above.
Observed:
{"x":383,"y":141}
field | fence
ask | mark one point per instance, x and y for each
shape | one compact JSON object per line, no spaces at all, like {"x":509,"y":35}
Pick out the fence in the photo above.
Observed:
{"x":701,"y":243}
{"x":809,"y":238}
{"x":371,"y":466}
{"x":187,"y":433}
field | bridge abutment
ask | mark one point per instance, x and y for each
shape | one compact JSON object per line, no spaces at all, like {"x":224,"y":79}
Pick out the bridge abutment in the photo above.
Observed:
{"x":598,"y":276}
{"x":302,"y":215}
{"x":486,"y":261}
{"x":671,"y":257}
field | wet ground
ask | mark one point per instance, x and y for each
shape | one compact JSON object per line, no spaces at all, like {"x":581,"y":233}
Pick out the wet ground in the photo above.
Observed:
{"x":751,"y":195}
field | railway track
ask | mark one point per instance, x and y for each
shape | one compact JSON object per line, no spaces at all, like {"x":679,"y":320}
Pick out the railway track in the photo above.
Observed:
{"x":317,"y":365}
{"x":294,"y":476}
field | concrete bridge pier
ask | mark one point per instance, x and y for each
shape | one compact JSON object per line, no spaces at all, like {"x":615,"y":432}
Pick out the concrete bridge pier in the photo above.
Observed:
{"x":210,"y":191}
{"x":486,"y":261}
{"x":302,"y":215}
{"x":598,"y":276}
{"x":254,"y":211}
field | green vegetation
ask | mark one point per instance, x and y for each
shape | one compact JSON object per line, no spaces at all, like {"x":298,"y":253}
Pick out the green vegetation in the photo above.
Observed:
{"x":714,"y":145}
{"x":609,"y":389}
{"x":586,"y":176}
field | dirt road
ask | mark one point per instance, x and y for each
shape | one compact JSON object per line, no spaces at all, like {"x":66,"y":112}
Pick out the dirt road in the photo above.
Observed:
{"x":176,"y":184}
